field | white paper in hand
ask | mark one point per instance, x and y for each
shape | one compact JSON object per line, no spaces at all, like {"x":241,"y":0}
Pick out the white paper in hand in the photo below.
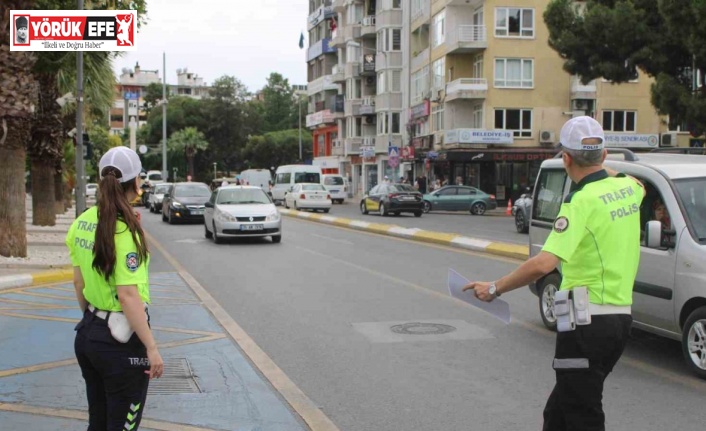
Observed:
{"x":497,"y":307}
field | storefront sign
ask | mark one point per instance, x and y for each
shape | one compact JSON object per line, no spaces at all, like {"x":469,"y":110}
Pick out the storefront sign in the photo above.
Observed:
{"x":326,"y":163}
{"x":421,"y":110}
{"x":408,"y":153}
{"x":478,"y":136}
{"x":631,"y":140}
{"x":367,"y":152}
{"x":422,"y":143}
{"x":368,"y":63}
{"x":498,"y":156}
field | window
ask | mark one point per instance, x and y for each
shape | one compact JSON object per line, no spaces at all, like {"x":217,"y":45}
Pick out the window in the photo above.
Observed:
{"x":389,"y":39}
{"x":438,"y":29}
{"x":381,"y":83}
{"x":439,"y":67}
{"x":417,"y":9}
{"x":514,"y":73}
{"x":396,"y":4}
{"x":395,"y":120}
{"x":619,"y":121}
{"x":306,"y":177}
{"x":283,"y":178}
{"x":382,"y":123}
{"x":396,"y":84}
{"x":517,"y":120}
{"x":478,"y":66}
{"x":437,"y":115}
{"x":477,"y":117}
{"x":514,"y":22}
{"x":549,"y":194}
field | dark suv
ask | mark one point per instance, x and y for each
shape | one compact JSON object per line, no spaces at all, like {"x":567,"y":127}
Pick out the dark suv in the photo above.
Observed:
{"x":185,"y":202}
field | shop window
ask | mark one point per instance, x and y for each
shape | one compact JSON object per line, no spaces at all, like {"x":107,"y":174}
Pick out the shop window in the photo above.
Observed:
{"x":549,"y":195}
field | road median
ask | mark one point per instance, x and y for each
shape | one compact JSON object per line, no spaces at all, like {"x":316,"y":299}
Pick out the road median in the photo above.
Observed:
{"x":57,"y":275}
{"x":503,"y":249}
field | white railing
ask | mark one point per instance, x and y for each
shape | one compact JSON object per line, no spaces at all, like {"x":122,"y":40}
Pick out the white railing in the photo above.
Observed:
{"x":470,"y":33}
{"x":369,"y":101}
{"x":369,"y":141}
{"x":368,"y":21}
{"x":467,"y":84}
{"x":352,"y":146}
{"x":337,"y":147}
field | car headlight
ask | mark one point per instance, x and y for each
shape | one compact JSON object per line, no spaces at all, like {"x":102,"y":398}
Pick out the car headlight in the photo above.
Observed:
{"x":176,"y":204}
{"x":224,"y":216}
{"x":274,"y":216}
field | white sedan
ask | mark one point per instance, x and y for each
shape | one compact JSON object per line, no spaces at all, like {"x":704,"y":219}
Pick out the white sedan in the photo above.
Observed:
{"x":241,"y":211}
{"x":309,"y":196}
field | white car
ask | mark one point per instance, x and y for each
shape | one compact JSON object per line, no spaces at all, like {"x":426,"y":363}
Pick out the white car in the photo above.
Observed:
{"x":241,"y":211}
{"x":309,"y":196}
{"x":156,"y":197}
{"x":91,"y":189}
{"x":337,"y":187}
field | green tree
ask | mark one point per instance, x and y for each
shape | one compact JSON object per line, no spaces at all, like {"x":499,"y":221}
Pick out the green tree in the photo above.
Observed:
{"x":666,"y":39}
{"x":274,"y":149}
{"x":153,"y":94}
{"x":278,"y":99}
{"x":188,"y":141}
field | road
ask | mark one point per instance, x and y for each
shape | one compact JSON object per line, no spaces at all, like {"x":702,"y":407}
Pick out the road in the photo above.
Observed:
{"x":495,"y":226}
{"x":322,"y":304}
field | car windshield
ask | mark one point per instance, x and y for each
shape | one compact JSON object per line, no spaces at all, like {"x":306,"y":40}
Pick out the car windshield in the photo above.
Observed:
{"x":192,"y":191}
{"x":313,"y":187}
{"x":333,"y":181}
{"x":242,"y":197}
{"x":160,"y":190}
{"x":403,"y":188}
{"x":692,"y":192}
{"x":306,"y":177}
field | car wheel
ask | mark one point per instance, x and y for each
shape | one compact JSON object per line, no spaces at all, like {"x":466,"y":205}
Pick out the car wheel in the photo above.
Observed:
{"x":396,"y":213}
{"x":520,"y":224}
{"x":216,"y":239}
{"x":427,"y":207}
{"x":383,"y":210}
{"x":694,"y":341}
{"x":207,"y":233}
{"x":277,"y":239}
{"x":363,"y":208}
{"x":547,"y":291}
{"x":325,"y":210}
{"x":418,"y":213}
{"x":478,"y":208}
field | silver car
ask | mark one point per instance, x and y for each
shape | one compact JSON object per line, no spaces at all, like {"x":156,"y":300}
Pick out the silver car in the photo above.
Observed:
{"x":156,"y":197}
{"x":669,"y":295}
{"x":241,"y":211}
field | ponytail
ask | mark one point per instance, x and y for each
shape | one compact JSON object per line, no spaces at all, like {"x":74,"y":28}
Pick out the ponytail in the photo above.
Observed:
{"x":113,"y":205}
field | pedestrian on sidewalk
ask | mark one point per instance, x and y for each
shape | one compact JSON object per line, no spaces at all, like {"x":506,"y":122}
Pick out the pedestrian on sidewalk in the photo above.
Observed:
{"x":599,"y":254}
{"x":114,"y":344}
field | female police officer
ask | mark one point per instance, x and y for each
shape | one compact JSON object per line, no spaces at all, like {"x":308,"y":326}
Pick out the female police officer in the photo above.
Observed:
{"x":114,"y":344}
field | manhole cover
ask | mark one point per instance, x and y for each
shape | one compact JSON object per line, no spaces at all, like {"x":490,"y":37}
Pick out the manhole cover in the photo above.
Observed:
{"x":176,"y":379}
{"x":416,"y":328}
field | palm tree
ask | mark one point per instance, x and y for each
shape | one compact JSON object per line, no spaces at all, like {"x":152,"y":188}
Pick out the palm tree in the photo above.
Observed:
{"x":189,"y":140}
{"x":18,"y":98}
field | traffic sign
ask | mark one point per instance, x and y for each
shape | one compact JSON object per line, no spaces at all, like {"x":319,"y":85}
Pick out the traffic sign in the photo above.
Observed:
{"x":393,"y":152}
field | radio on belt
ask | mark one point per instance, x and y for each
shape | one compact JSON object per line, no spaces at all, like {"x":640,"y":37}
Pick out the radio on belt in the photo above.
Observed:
{"x":564,"y":310}
{"x":581,"y":305}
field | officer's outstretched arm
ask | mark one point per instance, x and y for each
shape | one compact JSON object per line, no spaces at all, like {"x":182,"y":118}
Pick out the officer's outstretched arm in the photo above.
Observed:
{"x":134,"y":311}
{"x":530,"y":271}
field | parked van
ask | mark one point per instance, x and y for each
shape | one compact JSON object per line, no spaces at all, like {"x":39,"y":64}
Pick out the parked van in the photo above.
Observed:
{"x":288,"y":175}
{"x":669,"y":296}
{"x":337,"y":187}
{"x":256,"y":177}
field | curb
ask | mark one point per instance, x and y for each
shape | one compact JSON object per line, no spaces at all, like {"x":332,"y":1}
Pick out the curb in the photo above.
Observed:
{"x":33,"y":279}
{"x":503,"y":249}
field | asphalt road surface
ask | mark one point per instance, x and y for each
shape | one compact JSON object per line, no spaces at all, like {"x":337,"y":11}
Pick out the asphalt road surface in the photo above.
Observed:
{"x":494,"y":226}
{"x":340,"y":311}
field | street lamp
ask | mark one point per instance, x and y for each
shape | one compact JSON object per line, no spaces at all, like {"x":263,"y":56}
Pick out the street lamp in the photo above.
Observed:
{"x":174,"y":176}
{"x":214,"y":170}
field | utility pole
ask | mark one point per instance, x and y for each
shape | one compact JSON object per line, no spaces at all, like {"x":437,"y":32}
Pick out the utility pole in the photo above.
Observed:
{"x":164,"y":115}
{"x":299,"y":101}
{"x":80,"y":164}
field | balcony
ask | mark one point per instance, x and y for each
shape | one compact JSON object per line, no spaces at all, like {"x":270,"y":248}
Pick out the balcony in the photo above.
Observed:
{"x":351,"y":32}
{"x":323,"y":12}
{"x":337,"y":148}
{"x":352,"y":107}
{"x":319,"y":106}
{"x":352,"y":146}
{"x":337,"y":73}
{"x":387,"y":60}
{"x":321,"y":117}
{"x":581,"y":91}
{"x":338,"y":38}
{"x":388,"y":18}
{"x":382,"y":142}
{"x":319,"y":48}
{"x":466,"y":89}
{"x":352,"y":70}
{"x":420,"y":60}
{"x":388,"y":101}
{"x":323,"y":83}
{"x":367,"y":107}
{"x":367,"y":26}
{"x":421,"y":16}
{"x":467,"y":39}
{"x":339,"y":6}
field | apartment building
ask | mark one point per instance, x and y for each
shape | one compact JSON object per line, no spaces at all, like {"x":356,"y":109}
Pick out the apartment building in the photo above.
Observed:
{"x":488,"y":96}
{"x":129,"y":103}
{"x":358,"y":103}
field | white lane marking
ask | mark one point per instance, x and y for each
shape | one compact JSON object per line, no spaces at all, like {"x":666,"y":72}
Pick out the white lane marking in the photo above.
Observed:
{"x":330,"y":238}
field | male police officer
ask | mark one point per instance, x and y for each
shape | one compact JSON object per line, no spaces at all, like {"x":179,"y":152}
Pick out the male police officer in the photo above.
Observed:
{"x":596,"y":238}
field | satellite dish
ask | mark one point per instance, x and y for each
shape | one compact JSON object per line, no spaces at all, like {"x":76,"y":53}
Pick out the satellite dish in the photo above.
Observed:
{"x":143,"y":149}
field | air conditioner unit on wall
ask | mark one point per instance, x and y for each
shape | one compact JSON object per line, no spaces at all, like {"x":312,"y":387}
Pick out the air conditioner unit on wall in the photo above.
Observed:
{"x":546,"y":136}
{"x":580,"y":105}
{"x":668,"y":139}
{"x":370,"y":119}
{"x":370,"y":80}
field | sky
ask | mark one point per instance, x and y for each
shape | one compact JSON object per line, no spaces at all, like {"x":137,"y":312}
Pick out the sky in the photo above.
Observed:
{"x":247,"y":39}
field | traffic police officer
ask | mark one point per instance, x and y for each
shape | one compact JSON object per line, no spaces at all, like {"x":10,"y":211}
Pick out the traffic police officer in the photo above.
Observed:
{"x":596,"y":238}
{"x":114,"y":344}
